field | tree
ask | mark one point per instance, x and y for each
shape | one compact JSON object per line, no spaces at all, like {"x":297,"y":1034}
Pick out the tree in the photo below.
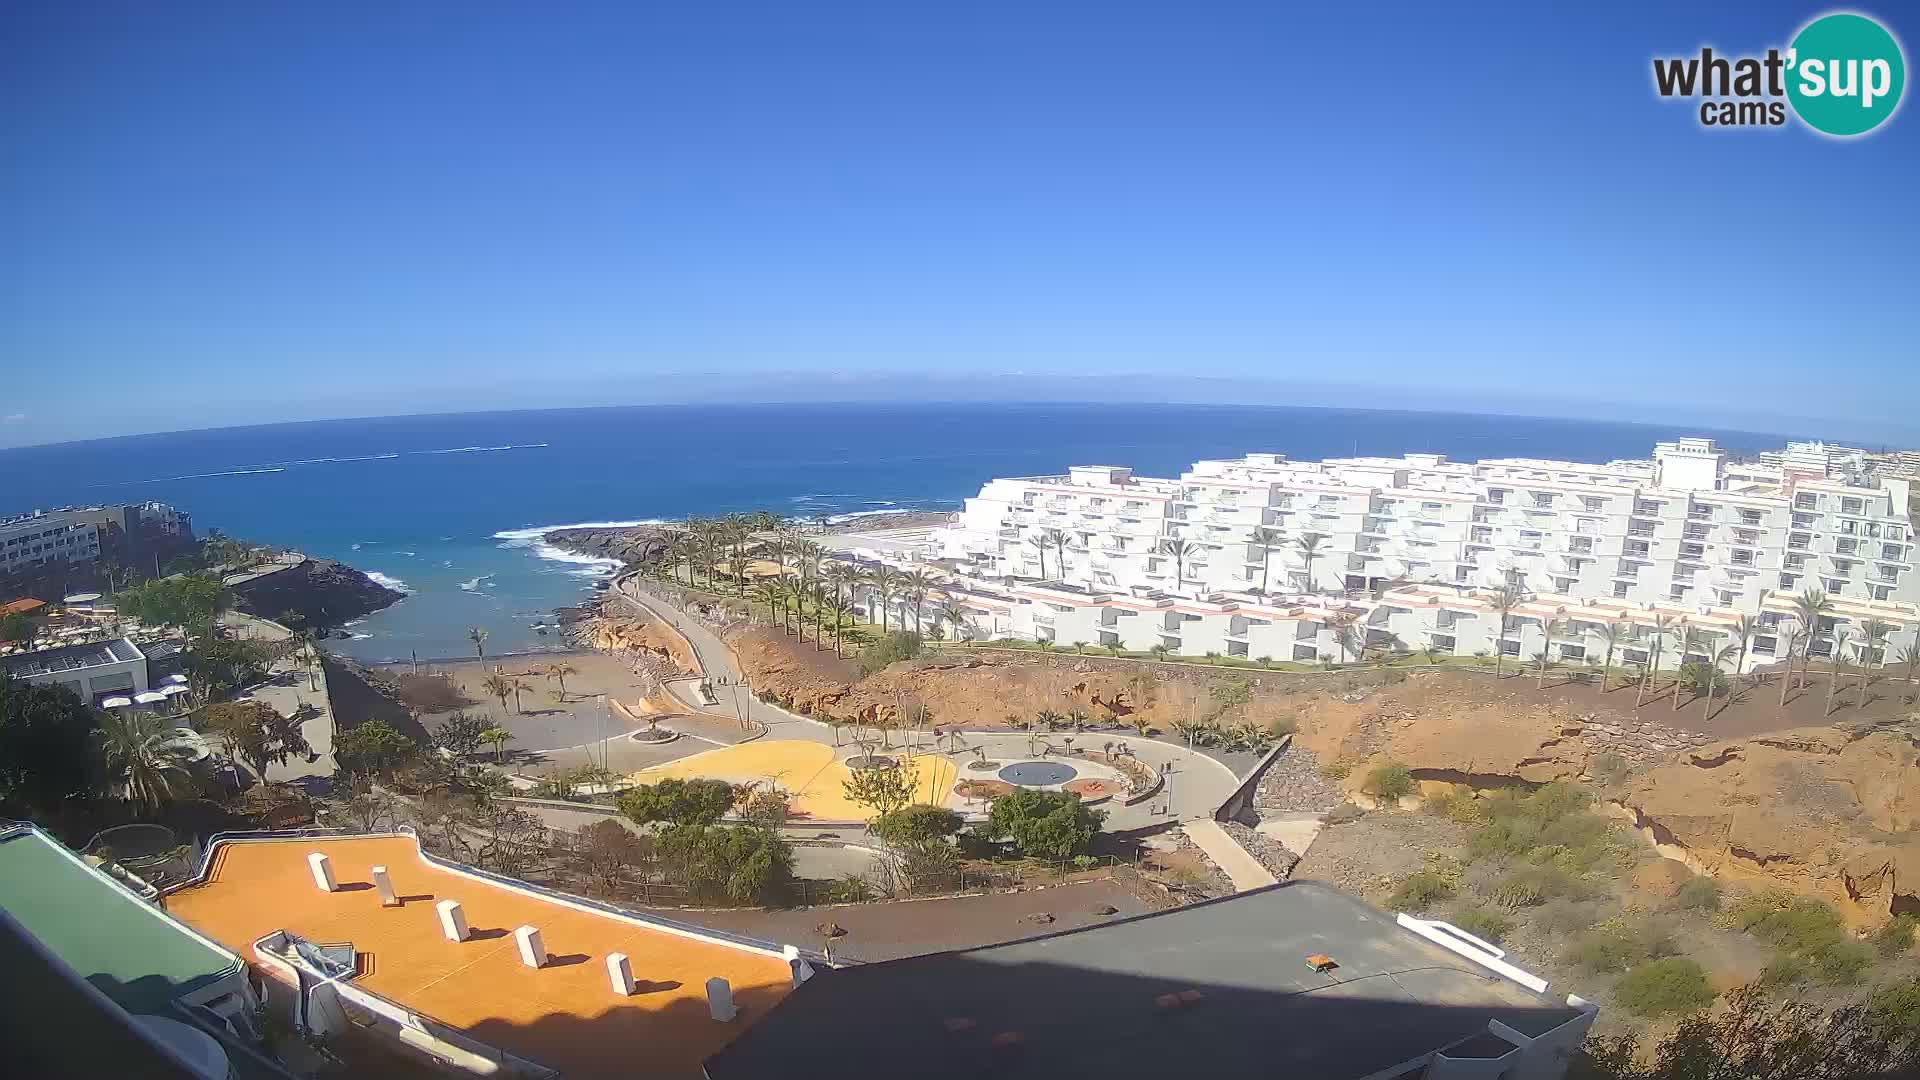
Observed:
{"x":1809,"y":607}
{"x":1791,"y":642}
{"x":1045,"y":824}
{"x":883,"y":788}
{"x":558,"y":673}
{"x":1872,"y":650}
{"x":899,"y":645}
{"x":911,"y":826}
{"x":368,"y":809}
{"x":1833,"y":678}
{"x":956,"y":615}
{"x":17,"y":626}
{"x":1614,"y":634}
{"x":1548,"y":629}
{"x":605,"y":850}
{"x":1712,"y":674}
{"x":192,"y":601}
{"x":1909,"y":655}
{"x":767,"y":808}
{"x":498,"y":686}
{"x":884,"y":581}
{"x":1040,"y":542}
{"x":1760,"y":1036}
{"x":498,"y":738}
{"x":1689,"y":638}
{"x":1345,"y":633}
{"x":1656,"y":642}
{"x":256,"y":733}
{"x":1179,"y":549}
{"x":1266,"y":540}
{"x":1505,"y":599}
{"x":916,"y":586}
{"x":1309,"y":547}
{"x":218,"y":665}
{"x":478,"y":636}
{"x":46,"y":746}
{"x":137,"y":750}
{"x":461,"y":734}
{"x":678,"y":803}
{"x":1744,"y":629}
{"x":373,"y":747}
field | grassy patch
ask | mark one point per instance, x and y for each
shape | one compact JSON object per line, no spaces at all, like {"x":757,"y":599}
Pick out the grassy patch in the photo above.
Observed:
{"x":1670,"y":986}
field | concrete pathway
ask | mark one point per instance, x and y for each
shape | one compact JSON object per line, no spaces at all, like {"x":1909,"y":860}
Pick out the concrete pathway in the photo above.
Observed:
{"x":1241,"y":868}
{"x":289,"y":686}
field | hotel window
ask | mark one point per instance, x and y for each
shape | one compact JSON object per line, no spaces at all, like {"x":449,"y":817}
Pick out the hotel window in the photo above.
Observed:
{"x":1803,"y":521}
{"x":1849,"y":527}
{"x":1692,"y":551}
{"x":1543,"y":499}
{"x":1633,"y":656}
{"x":1573,"y":652}
{"x":1851,"y":506}
{"x":1742,"y":557}
{"x":1892,"y":551}
{"x":1645,"y":506}
{"x":1697,"y":532}
{"x":1845,"y":545}
{"x":1678,"y":592}
{"x":1894,"y":533}
{"x":1563,"y":584}
{"x":1799,"y":541}
{"x":1806,"y":501}
{"x":1593,"y":502}
{"x":1835,"y":584}
{"x":1750,"y":517}
{"x":1640,"y":528}
{"x":1882,"y":592}
{"x":1843,"y":566}
{"x":1581,"y":544}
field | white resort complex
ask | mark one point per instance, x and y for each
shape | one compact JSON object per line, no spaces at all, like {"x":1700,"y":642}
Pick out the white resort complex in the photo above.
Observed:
{"x":1326,"y":560}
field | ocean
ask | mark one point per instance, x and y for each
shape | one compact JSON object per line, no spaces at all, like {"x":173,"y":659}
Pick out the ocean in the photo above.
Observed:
{"x":450,"y":508}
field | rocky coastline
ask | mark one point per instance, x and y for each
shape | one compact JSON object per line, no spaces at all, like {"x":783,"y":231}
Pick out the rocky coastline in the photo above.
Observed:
{"x":321,"y":592}
{"x":637,"y":544}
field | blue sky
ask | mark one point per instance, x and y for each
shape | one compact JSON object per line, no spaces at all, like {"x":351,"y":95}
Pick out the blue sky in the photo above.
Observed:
{"x":217,"y":214}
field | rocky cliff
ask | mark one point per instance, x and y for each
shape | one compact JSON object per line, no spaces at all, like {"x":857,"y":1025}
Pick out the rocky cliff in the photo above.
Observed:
{"x":633,"y":545}
{"x":322,"y":592}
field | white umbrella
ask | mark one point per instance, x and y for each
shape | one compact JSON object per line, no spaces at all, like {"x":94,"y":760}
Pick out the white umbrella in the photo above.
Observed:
{"x":180,"y":680}
{"x":116,"y":703}
{"x":176,"y":688}
{"x":148,"y":697}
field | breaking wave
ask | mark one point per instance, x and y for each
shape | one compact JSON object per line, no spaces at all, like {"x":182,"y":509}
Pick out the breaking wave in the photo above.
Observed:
{"x":390,"y":582}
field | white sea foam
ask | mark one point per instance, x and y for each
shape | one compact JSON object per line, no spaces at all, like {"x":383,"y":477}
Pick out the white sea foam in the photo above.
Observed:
{"x":356,"y":547}
{"x":361,"y":637}
{"x":393,"y":583}
{"x":473,"y":584}
{"x":481,"y":449}
{"x":447,"y":563}
{"x":535,"y":532}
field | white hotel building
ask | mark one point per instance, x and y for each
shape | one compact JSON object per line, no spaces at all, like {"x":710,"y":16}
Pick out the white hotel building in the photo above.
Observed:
{"x":1412,"y":547}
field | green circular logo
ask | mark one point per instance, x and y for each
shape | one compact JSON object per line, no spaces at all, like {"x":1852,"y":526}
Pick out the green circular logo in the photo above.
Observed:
{"x":1845,"y":74}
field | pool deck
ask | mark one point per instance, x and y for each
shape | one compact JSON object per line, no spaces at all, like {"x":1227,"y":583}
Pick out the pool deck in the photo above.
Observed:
{"x":563,"y":1015}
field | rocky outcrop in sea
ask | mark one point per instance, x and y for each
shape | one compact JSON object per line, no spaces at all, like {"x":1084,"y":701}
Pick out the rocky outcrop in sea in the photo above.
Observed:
{"x":323,"y":593}
{"x":633,"y":545}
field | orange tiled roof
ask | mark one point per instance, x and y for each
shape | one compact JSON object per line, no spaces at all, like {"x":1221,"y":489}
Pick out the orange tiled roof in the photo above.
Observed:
{"x":563,"y":1015}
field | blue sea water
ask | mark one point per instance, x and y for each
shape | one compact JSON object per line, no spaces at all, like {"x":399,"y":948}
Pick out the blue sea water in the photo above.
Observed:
{"x":450,"y":508}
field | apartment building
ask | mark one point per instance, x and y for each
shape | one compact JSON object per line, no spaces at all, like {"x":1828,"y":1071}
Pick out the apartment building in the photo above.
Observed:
{"x":128,"y":533}
{"x":44,"y":539}
{"x":1264,"y":556}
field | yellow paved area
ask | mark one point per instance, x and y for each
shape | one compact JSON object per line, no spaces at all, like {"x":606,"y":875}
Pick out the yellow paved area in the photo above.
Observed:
{"x":807,"y":770}
{"x":564,"y":1015}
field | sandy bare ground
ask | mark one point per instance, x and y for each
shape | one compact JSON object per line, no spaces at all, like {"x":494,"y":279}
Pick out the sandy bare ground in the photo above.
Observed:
{"x":544,"y":720}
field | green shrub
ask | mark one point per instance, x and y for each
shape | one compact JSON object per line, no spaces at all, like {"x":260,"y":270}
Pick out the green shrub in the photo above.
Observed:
{"x":1389,"y":782}
{"x":1798,"y":924}
{"x":1897,"y":1007}
{"x":1608,"y":768}
{"x":1484,"y":923}
{"x":1045,"y":824}
{"x":1896,"y":936}
{"x":1337,"y":770}
{"x":897,"y":645}
{"x":1664,"y":987}
{"x":1698,"y":894}
{"x":1785,"y":969}
{"x":1618,"y":946}
{"x":1421,"y":890}
{"x":1840,"y":963}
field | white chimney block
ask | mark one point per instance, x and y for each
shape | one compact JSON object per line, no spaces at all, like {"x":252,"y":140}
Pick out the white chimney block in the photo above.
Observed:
{"x":453,"y":920}
{"x":383,"y":883}
{"x":720,"y":1000}
{"x":620,"y":974}
{"x":322,"y":868}
{"x":533,"y":952}
{"x":800,"y":968}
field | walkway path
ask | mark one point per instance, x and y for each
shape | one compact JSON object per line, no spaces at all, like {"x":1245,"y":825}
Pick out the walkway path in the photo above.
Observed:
{"x":289,"y":687}
{"x":1240,"y":867}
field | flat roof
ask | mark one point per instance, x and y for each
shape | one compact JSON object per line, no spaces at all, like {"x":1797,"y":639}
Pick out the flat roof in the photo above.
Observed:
{"x":70,"y":658}
{"x":1087,"y":1002}
{"x":563,"y":1016}
{"x":127,"y":948}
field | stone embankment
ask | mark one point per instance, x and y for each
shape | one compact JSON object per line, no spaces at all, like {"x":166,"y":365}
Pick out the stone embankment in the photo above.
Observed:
{"x":632,"y":545}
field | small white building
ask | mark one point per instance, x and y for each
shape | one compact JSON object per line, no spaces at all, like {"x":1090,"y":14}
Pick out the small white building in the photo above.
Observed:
{"x":93,"y":670}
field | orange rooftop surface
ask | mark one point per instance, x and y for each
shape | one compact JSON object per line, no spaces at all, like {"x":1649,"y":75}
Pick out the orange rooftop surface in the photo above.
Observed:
{"x":563,"y":1015}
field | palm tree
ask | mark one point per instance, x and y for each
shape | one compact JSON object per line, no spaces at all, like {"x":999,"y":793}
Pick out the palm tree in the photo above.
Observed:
{"x":836,"y":607}
{"x":818,"y":594}
{"x":499,"y":686}
{"x":135,"y":747}
{"x":1039,"y":542}
{"x":1910,"y":656}
{"x":498,"y":738}
{"x":1713,"y":673}
{"x":1613,"y":633}
{"x":772,"y":593}
{"x":520,"y":686}
{"x":1308,"y":545}
{"x":739,"y":533}
{"x":884,"y":581}
{"x":479,"y":638}
{"x":1160,"y":651}
{"x":1656,"y":644}
{"x":1179,"y":549}
{"x":955,"y":614}
{"x":1833,"y":683}
{"x":915,"y":587}
{"x":558,"y":673}
{"x":1873,"y":642}
{"x":1548,"y":628}
{"x":1744,"y":628}
{"x":1058,"y":538}
{"x":1689,"y":638}
{"x":1342,"y":624}
{"x":1792,"y":640}
{"x":841,"y":577}
{"x":1266,"y":540}
{"x":1809,"y":606}
{"x":1505,"y":599}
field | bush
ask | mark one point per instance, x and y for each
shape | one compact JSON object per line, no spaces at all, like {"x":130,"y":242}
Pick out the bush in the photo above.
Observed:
{"x":1840,"y":963}
{"x":1389,"y":782}
{"x":1045,"y":824}
{"x":1695,"y":677}
{"x":1797,"y":924}
{"x":1337,"y":770}
{"x":915,"y":825}
{"x":1618,"y":946}
{"x":897,"y":645}
{"x":1896,"y":936}
{"x":1785,"y":969}
{"x":1665,"y":987}
{"x":1698,"y":894}
{"x":1421,"y":890}
{"x":1484,"y":923}
{"x":678,"y":802}
{"x":1609,"y":768}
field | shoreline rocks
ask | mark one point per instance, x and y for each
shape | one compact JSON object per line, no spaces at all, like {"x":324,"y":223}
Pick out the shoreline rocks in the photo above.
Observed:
{"x":322,"y":592}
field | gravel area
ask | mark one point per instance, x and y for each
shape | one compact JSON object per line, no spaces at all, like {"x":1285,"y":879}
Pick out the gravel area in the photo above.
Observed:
{"x":1268,"y":852}
{"x":1367,"y":857}
{"x":1293,"y":784}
